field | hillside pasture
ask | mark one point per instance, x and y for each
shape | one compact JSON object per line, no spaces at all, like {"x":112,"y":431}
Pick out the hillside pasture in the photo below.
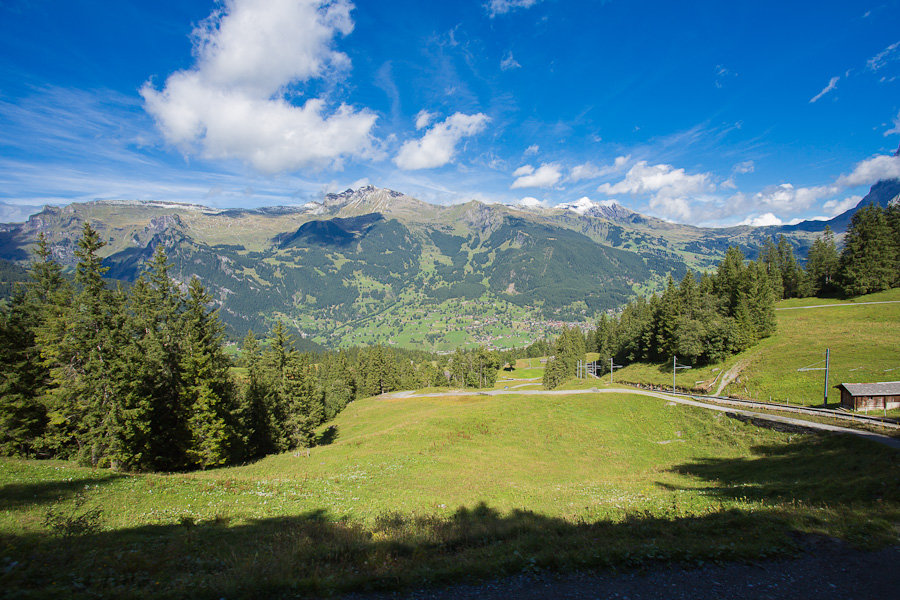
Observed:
{"x":863,"y":338}
{"x":417,"y":491}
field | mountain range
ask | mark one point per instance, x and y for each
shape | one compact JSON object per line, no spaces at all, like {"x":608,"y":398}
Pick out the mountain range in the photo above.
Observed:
{"x":374,"y":265}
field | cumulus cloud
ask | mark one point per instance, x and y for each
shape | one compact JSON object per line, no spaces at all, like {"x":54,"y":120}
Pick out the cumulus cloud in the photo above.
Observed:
{"x":547,"y":175}
{"x":766,"y":220}
{"x":531,"y":202}
{"x":591,"y":171}
{"x":532,"y":149}
{"x":831,"y":85}
{"x":523,"y":170}
{"x":424,"y":119}
{"x":872,"y":170}
{"x":836,"y":207}
{"x":438,"y":146}
{"x":663,"y":180}
{"x":786,"y":198}
{"x":501,"y":7}
{"x":509,"y":62}
{"x":249,"y":54}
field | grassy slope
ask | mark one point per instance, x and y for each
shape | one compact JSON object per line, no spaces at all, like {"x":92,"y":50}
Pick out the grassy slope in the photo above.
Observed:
{"x":863,"y":341}
{"x":418,"y":490}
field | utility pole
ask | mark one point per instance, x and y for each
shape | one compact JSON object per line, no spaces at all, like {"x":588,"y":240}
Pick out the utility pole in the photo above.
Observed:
{"x":675,"y":367}
{"x":611,"y":368}
{"x":812,"y":367}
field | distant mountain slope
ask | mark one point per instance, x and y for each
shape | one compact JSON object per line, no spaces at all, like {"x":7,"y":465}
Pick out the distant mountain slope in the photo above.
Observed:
{"x":375,"y":258}
{"x":882,"y":193}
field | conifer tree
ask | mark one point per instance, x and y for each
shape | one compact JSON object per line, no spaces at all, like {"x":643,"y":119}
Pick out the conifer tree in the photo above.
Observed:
{"x":254,"y":410}
{"x":207,"y":393}
{"x":22,"y":416}
{"x":868,"y":259}
{"x":305,"y":410}
{"x":822,"y":263}
{"x":82,"y":408}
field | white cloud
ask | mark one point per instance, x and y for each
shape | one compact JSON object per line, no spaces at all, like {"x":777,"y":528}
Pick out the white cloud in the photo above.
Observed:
{"x":501,"y":7}
{"x":748,"y":166}
{"x":16,"y":213}
{"x":766,"y":220}
{"x":438,"y":146}
{"x":836,"y":207}
{"x":896,"y":129}
{"x":523,"y":170}
{"x":509,"y":62}
{"x":580,"y":206}
{"x":424,"y":119}
{"x":663,"y":180}
{"x":531,"y":202}
{"x":787,"y":198}
{"x":532,"y":149}
{"x":591,"y":171}
{"x":871,"y":171}
{"x":232,"y":101}
{"x":831,"y":85}
{"x":887,"y":55}
{"x":547,"y":175}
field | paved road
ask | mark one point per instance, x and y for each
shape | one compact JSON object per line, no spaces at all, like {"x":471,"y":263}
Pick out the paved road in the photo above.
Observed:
{"x":787,"y":421}
{"x":842,"y":304}
{"x":826,"y":570}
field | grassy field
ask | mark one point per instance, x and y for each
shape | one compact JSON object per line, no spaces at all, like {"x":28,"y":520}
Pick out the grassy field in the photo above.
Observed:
{"x":425,"y":491}
{"x":863,"y":340}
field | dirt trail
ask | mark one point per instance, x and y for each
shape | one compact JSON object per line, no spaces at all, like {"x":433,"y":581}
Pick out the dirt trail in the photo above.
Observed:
{"x":730,"y":376}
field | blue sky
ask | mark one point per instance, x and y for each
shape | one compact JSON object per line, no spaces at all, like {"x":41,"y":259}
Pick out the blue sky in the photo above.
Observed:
{"x":711,"y":113}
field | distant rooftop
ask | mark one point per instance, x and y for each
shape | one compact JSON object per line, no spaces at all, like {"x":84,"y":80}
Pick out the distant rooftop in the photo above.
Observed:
{"x":885,"y":388}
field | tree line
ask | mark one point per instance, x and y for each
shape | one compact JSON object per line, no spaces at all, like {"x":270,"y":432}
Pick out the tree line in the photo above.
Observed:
{"x":139,"y":379}
{"x":707,"y":319}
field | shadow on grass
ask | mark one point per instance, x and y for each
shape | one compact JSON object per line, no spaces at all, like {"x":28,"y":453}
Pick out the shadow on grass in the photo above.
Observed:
{"x":317,"y":554}
{"x":821,"y":469}
{"x":836,"y":486}
{"x":15,"y":496}
{"x":328,"y":435}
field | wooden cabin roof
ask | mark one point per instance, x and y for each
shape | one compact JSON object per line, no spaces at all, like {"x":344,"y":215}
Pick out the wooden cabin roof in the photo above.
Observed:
{"x":885,"y":388}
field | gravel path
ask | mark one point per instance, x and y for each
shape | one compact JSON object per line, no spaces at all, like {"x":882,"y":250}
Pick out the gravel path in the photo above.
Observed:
{"x":826,"y":570}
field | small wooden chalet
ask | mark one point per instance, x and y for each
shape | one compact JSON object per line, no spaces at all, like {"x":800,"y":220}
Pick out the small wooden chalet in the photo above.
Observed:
{"x":864,"y":396}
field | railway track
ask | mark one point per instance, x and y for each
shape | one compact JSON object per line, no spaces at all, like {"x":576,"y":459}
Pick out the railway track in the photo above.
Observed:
{"x":807,"y":410}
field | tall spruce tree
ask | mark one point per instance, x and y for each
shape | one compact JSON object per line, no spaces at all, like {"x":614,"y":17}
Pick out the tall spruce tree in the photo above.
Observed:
{"x":822,"y":263}
{"x":868,"y":261}
{"x":305,"y":409}
{"x":156,"y":311}
{"x":254,"y":407}
{"x":207,"y":392}
{"x":22,"y":415}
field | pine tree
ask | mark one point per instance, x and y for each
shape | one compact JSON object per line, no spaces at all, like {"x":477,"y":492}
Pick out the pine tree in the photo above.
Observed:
{"x":822,"y":263}
{"x":82,"y":408}
{"x":157,"y":401}
{"x":868,"y":259}
{"x":254,"y":409}
{"x":791,"y":274}
{"x":22,"y":416}
{"x":305,"y":409}
{"x":207,"y":393}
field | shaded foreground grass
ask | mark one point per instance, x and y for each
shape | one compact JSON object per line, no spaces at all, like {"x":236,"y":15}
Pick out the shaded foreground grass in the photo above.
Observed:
{"x":428,"y":491}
